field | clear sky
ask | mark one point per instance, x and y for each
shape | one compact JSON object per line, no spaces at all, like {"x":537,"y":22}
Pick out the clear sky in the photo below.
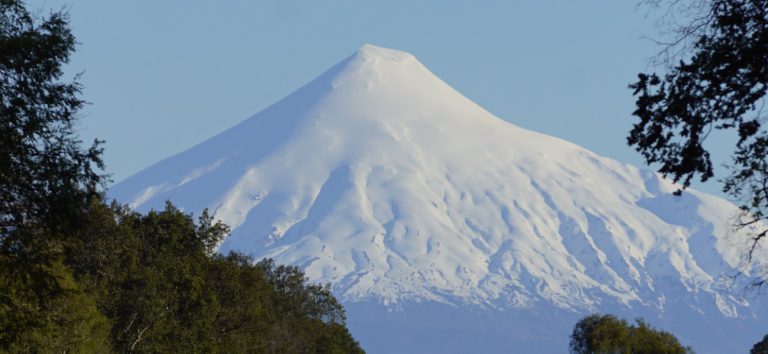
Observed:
{"x":162,"y":76}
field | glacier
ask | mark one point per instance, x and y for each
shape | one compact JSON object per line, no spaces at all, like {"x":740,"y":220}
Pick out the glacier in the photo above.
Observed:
{"x":443,"y":228}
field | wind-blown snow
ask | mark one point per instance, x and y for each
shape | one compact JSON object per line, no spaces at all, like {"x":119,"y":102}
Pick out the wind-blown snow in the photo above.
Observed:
{"x":381,"y":179}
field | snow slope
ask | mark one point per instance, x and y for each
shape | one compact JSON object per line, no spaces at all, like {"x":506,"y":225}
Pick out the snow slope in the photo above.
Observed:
{"x":383,"y":180}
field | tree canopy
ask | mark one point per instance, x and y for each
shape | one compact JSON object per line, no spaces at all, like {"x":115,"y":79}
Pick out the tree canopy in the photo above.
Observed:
{"x":760,"y":347}
{"x":46,"y":182}
{"x":45,"y":174}
{"x":157,"y":278}
{"x":606,"y":334}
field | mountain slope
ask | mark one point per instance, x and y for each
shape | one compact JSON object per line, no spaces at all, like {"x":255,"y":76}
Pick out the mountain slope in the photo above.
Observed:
{"x":381,"y":179}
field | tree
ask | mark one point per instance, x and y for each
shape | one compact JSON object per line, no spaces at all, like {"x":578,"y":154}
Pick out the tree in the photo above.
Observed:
{"x":606,"y":334}
{"x":760,"y":347}
{"x":46,"y":180}
{"x":45,"y":174}
{"x":719,"y":84}
{"x":599,"y":334}
{"x":157,"y":279}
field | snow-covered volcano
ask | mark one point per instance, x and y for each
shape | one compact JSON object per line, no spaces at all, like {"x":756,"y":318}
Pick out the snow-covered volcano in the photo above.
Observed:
{"x":409,"y":198}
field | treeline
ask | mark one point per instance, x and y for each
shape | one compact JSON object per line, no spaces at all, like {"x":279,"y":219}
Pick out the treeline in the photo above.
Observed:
{"x":79,"y":275}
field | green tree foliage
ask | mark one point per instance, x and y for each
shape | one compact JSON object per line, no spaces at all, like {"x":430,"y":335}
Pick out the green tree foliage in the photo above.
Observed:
{"x":721,"y":85}
{"x":606,"y":334}
{"x":80,"y":276}
{"x":45,"y":175}
{"x":43,"y":309}
{"x":760,"y":347}
{"x":599,"y":334}
{"x":46,"y":180}
{"x":164,"y":289}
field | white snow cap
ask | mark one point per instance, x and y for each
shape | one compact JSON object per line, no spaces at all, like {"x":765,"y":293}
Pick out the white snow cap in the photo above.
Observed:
{"x":380,"y":178}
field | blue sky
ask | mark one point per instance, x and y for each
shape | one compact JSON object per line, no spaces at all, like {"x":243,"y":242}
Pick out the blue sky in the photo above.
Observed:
{"x":162,"y":76}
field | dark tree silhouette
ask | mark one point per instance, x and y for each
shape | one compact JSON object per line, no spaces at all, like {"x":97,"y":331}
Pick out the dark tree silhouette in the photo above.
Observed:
{"x":45,"y":174}
{"x":46,"y":182}
{"x":760,"y":347}
{"x":719,"y":84}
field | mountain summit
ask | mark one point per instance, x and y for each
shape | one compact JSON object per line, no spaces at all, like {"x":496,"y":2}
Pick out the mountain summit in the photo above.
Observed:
{"x":411,"y":199}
